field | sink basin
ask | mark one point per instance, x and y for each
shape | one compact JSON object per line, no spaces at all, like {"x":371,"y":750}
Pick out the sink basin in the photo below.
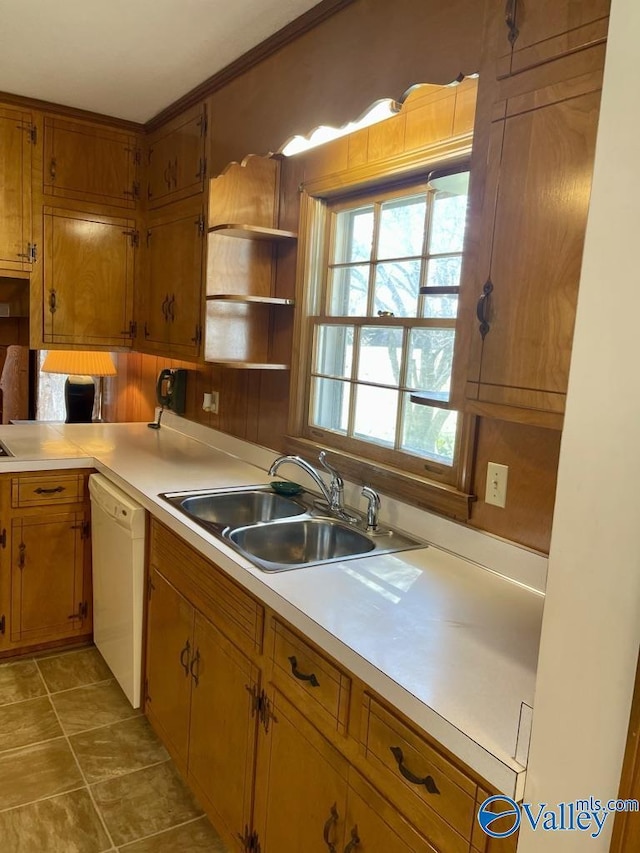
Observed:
{"x":295,"y":544}
{"x":236,"y":509}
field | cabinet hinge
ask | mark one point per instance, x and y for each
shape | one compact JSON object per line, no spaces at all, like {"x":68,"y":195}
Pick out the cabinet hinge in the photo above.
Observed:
{"x":249,"y":840}
{"x":3,"y":538}
{"x":31,"y":130}
{"x":137,"y":156}
{"x":134,"y":192}
{"x":134,"y":237}
{"x":83,"y":610}
{"x":202,"y":169}
{"x":203,"y":123}
{"x":3,"y":624}
{"x":85,"y":531}
{"x":197,"y":338}
{"x":150,"y":587}
{"x":200,"y":223}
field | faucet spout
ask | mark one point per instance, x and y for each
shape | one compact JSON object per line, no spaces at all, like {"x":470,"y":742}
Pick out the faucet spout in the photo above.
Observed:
{"x":307,"y":468}
{"x":333,"y":494}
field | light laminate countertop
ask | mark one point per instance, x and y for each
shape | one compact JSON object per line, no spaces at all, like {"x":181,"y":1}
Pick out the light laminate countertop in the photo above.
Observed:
{"x":451,"y":644}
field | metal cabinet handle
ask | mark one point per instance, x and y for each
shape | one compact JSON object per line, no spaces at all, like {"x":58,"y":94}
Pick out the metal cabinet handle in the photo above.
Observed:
{"x":52,"y":168}
{"x":165,"y":308}
{"x":331,"y":821}
{"x":355,"y":840}
{"x":510,"y":21}
{"x":301,"y":676}
{"x":192,"y":669}
{"x":41,"y":491}
{"x":427,"y":781}
{"x":481,"y":309}
{"x":52,"y":301}
{"x":167,"y":175}
{"x":170,"y":308}
{"x":21,"y":555}
{"x":183,"y":659}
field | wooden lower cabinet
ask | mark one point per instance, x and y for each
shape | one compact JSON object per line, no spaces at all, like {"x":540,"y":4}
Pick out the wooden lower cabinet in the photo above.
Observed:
{"x":45,"y":560}
{"x":286,"y":750}
{"x":200,"y":698}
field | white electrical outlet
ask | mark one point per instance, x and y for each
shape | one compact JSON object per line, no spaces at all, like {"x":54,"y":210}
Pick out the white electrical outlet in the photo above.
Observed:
{"x":496,"y":492}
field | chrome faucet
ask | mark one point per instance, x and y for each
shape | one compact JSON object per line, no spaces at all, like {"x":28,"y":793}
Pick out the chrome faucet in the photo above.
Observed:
{"x":333,"y":494}
{"x":372,"y":510}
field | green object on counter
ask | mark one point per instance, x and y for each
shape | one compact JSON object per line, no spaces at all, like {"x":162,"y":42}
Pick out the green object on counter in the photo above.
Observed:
{"x":284,"y":487}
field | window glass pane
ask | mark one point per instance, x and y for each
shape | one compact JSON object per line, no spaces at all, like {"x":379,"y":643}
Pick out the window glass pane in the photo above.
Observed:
{"x":380,"y":355}
{"x":397,"y":287}
{"x":334,"y":350}
{"x":376,"y":414}
{"x":444,"y":272}
{"x":449,"y":213}
{"x":402,"y":227}
{"x":430,"y":359}
{"x":429,"y":432}
{"x":330,"y":404}
{"x":353,"y":235}
{"x":348,"y":291}
{"x":439,"y":307}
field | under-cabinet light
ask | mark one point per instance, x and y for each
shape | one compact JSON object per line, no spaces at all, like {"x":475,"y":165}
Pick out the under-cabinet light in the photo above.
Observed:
{"x":380,"y":111}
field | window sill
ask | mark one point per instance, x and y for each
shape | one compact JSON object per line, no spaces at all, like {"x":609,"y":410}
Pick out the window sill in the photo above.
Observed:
{"x":418,"y":491}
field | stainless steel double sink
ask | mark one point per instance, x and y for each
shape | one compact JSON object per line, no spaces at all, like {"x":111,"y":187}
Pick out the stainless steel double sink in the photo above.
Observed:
{"x":278,"y":533}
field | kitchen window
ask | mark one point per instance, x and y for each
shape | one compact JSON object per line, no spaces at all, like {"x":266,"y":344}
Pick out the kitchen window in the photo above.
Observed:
{"x":382,"y":324}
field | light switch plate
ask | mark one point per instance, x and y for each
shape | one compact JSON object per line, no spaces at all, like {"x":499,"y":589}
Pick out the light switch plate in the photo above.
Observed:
{"x":496,"y":491}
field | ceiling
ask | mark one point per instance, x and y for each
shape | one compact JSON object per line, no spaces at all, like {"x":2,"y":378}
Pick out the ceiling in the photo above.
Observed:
{"x":128,"y":58}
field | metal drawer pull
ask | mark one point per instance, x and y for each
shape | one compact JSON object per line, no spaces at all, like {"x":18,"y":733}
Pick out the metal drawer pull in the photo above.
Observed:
{"x":41,"y":491}
{"x":481,"y":308}
{"x":183,"y":661}
{"x":428,"y":782}
{"x":331,"y":821}
{"x":355,"y":840}
{"x":195,"y":662}
{"x":313,"y":681}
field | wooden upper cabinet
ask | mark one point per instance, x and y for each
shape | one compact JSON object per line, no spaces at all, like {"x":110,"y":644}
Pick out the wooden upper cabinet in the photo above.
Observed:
{"x":535,"y":31}
{"x":17,"y":142}
{"x":90,"y":162}
{"x":176,"y":162}
{"x":88,"y":278}
{"x":533,"y":222}
{"x":171,"y":313}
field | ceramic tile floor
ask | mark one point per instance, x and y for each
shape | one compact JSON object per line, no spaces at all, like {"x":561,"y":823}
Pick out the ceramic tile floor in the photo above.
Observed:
{"x":81,"y":771}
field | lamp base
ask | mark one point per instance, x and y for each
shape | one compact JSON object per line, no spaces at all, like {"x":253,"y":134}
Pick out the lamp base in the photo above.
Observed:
{"x":79,"y":394}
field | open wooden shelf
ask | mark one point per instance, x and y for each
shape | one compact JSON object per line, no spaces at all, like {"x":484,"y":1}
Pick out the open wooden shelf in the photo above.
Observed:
{"x":252,"y":232}
{"x":240,"y":297}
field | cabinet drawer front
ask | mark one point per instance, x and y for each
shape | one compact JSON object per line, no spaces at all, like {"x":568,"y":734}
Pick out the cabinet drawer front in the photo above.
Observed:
{"x":412,"y":771}
{"x":222,"y":601}
{"x":43,"y":490}
{"x":313,"y":681}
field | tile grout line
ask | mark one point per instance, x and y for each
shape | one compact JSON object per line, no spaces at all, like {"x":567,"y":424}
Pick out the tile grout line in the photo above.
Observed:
{"x":112,"y":845}
{"x":203,"y":816}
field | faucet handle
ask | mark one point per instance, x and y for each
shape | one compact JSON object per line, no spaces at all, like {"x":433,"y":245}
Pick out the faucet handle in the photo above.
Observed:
{"x":322,"y":459}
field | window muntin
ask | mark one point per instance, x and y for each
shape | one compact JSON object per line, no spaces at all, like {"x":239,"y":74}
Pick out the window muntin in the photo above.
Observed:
{"x":386,"y":322}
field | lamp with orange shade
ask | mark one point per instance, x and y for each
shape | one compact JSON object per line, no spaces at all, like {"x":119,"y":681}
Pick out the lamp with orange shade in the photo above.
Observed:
{"x":79,"y":389}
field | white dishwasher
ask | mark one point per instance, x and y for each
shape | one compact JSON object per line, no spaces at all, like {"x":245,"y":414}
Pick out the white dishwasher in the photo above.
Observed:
{"x":118,"y":538}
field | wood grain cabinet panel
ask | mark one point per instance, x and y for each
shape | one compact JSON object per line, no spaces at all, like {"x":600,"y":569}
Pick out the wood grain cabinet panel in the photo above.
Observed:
{"x":536,"y":31}
{"x":88,"y":278}
{"x":176,"y":164}
{"x":532,"y":226}
{"x":17,"y":141}
{"x":172,"y":288}
{"x":48,"y":596}
{"x":90,"y":162}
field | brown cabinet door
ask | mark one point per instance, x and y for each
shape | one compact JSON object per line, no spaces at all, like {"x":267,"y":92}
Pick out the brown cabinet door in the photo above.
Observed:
{"x":90,"y":163}
{"x":535,"y":31}
{"x":88,"y":278}
{"x":535,"y":212}
{"x":169,"y":654}
{"x":16,"y":147}
{"x":301,"y":784}
{"x":176,"y":167}
{"x":373,"y":825}
{"x":48,"y":598}
{"x":223,"y":726}
{"x":174,"y":283}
